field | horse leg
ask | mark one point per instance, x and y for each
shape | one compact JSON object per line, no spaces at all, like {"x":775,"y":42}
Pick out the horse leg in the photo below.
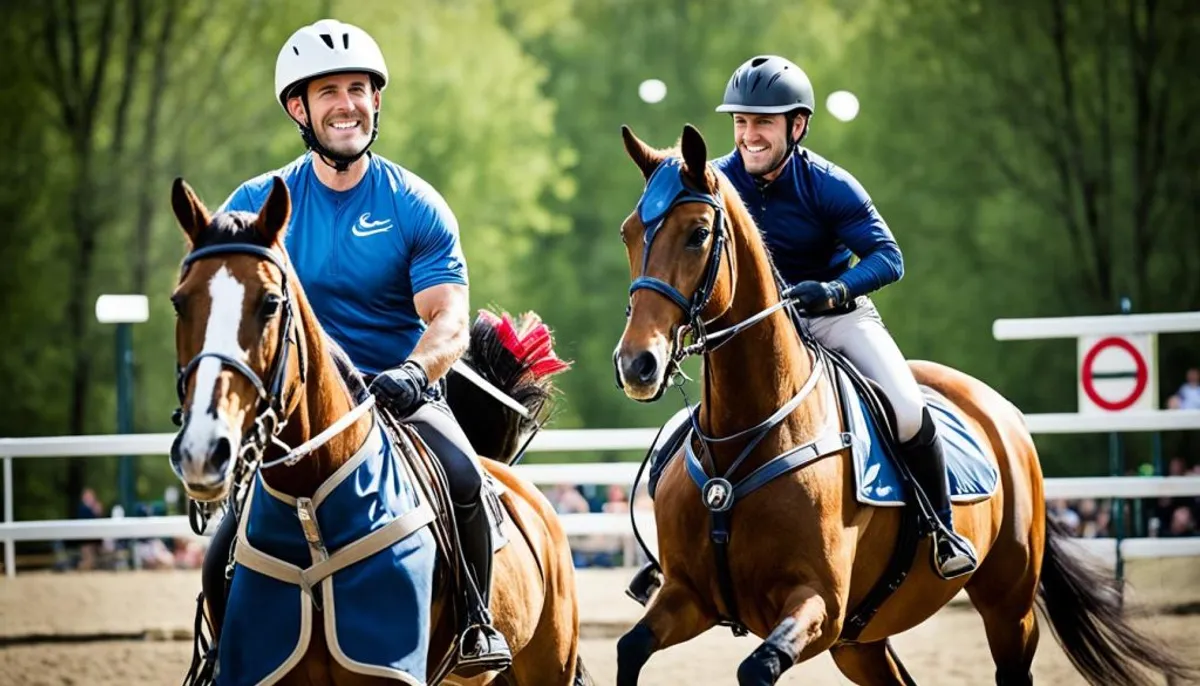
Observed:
{"x":1012,"y":638}
{"x":1007,"y":608}
{"x":871,"y":664}
{"x":674,"y":616}
{"x":803,"y":632}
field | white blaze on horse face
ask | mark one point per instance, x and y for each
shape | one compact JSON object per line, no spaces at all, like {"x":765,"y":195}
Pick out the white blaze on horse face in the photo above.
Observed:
{"x":220,"y":336}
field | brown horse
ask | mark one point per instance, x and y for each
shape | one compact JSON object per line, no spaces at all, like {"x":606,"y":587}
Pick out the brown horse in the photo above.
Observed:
{"x":802,"y":553}
{"x":256,"y":365}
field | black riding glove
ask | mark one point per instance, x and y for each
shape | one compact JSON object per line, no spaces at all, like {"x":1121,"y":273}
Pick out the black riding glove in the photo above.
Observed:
{"x":401,"y":390}
{"x":817,"y":296}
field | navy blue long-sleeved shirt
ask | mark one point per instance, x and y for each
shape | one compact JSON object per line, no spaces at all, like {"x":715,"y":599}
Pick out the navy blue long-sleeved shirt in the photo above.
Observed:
{"x":814,"y":217}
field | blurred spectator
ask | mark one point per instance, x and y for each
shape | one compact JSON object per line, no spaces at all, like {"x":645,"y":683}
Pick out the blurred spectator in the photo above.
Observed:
{"x":152,"y":553}
{"x":189,"y":553}
{"x":567,"y":499}
{"x":1189,"y":392}
{"x":617,"y":501}
{"x":89,"y":507}
{"x":1102,"y":526}
{"x":1063,"y":514}
{"x":1183,"y":523}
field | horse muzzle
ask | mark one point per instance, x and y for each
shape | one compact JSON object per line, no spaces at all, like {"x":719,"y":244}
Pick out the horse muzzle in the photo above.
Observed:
{"x":203,"y":460}
{"x":641,"y":374}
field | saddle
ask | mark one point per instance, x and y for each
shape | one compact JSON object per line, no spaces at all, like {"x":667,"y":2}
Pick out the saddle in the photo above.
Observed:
{"x":678,"y":428}
{"x":881,"y":477}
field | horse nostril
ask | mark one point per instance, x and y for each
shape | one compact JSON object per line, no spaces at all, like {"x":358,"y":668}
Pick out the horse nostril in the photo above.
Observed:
{"x":645,"y":366}
{"x":221,"y":452}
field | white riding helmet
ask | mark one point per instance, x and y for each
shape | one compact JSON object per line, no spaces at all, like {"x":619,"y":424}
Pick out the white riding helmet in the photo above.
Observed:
{"x":327,"y":47}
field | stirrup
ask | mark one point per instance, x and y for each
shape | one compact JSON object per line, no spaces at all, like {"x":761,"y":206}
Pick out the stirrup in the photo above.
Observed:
{"x":953,"y":554}
{"x":482,"y":648}
{"x":644,"y":584}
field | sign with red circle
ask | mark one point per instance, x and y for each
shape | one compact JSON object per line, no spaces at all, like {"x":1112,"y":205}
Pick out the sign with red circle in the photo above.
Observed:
{"x":1123,"y":360}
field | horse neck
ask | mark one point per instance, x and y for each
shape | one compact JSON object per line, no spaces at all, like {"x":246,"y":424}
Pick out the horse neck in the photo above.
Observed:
{"x":320,"y":402}
{"x":760,"y":369}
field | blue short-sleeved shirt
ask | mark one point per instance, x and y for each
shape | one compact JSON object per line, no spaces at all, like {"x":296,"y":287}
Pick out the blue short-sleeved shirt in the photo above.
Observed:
{"x":362,"y":254}
{"x":814,"y":218}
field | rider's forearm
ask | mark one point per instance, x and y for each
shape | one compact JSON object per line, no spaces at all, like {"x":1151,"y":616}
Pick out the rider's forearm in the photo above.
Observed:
{"x":444,"y":341}
{"x":878,"y":269}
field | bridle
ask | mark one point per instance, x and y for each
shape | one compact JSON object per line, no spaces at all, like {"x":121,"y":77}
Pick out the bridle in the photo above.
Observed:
{"x":270,"y":413}
{"x":664,"y":190}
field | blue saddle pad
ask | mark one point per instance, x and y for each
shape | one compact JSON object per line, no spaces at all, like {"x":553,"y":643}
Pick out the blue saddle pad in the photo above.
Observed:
{"x":973,"y":477}
{"x":376,"y":611}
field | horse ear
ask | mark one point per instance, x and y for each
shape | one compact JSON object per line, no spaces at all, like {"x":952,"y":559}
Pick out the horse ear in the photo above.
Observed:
{"x":695,"y":156}
{"x":275,"y":212}
{"x":646,"y":157}
{"x":192,"y":215}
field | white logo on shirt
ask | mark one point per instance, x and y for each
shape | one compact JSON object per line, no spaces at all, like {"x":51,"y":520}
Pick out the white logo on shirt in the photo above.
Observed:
{"x":366,"y":227}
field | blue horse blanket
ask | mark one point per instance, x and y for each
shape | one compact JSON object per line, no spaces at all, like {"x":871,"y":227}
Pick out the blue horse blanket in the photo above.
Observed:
{"x":376,"y":610}
{"x":973,"y":477}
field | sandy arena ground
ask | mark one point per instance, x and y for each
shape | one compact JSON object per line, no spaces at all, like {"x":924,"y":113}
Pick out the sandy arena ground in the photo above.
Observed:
{"x":148,"y":615}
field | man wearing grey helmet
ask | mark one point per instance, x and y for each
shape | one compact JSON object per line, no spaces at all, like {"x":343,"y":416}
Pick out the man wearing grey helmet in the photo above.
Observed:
{"x":816,"y":218}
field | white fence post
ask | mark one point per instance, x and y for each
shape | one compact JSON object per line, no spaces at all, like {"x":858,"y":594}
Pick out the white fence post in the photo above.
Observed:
{"x":10,"y":546}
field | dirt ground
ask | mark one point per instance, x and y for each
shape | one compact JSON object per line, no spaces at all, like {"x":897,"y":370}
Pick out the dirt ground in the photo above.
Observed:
{"x":135,"y":628}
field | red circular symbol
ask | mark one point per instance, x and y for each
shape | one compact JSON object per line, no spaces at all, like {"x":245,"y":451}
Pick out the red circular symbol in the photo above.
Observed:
{"x":1142,"y":374}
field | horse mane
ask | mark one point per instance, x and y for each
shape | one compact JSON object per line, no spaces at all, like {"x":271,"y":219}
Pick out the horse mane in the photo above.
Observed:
{"x":739,"y":215}
{"x":517,"y":356}
{"x":355,"y":383}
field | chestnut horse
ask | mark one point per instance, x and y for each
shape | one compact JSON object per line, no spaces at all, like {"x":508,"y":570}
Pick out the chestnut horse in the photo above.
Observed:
{"x":246,"y":331}
{"x":801,"y":554}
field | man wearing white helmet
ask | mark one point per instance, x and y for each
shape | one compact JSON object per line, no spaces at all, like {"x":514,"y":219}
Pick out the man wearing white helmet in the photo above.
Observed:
{"x":377,"y":251}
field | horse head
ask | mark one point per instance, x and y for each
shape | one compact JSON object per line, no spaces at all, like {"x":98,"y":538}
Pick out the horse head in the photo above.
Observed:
{"x":675,"y":240}
{"x":235,"y":328}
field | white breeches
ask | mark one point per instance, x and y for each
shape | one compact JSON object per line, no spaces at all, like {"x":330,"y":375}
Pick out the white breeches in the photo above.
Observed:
{"x":861,"y":336}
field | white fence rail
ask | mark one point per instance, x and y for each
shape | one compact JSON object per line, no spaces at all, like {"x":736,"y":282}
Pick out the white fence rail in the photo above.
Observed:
{"x":603,"y":474}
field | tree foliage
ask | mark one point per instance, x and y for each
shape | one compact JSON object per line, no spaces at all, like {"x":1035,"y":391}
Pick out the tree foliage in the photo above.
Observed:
{"x":1033,"y":159}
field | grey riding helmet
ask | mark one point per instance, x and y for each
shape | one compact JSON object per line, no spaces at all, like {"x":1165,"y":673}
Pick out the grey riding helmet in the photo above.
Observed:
{"x":768,"y":84}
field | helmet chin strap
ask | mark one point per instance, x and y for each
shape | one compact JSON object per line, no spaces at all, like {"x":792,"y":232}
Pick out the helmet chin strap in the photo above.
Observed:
{"x":338,"y":161}
{"x":791,"y":148}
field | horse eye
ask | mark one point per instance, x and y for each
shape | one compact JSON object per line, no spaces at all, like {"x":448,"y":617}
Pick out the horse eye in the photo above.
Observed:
{"x":698,"y":237}
{"x":177,"y":303}
{"x":270,"y":306}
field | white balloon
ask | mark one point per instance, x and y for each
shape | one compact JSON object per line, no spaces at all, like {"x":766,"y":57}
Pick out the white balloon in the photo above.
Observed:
{"x":843,"y":105}
{"x":652,"y":90}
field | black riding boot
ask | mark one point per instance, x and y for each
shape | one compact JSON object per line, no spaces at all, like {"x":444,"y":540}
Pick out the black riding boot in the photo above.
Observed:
{"x":482,"y":647}
{"x":212,"y":574}
{"x":953,"y":554}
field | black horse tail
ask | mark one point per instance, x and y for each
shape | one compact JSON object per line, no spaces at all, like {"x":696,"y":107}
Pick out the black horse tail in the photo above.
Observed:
{"x":1083,"y":603}
{"x":517,"y":357}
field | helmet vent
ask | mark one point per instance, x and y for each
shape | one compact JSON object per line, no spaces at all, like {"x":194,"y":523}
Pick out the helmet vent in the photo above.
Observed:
{"x":346,"y":41}
{"x":758,"y":61}
{"x":296,"y":50}
{"x":328,"y":40}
